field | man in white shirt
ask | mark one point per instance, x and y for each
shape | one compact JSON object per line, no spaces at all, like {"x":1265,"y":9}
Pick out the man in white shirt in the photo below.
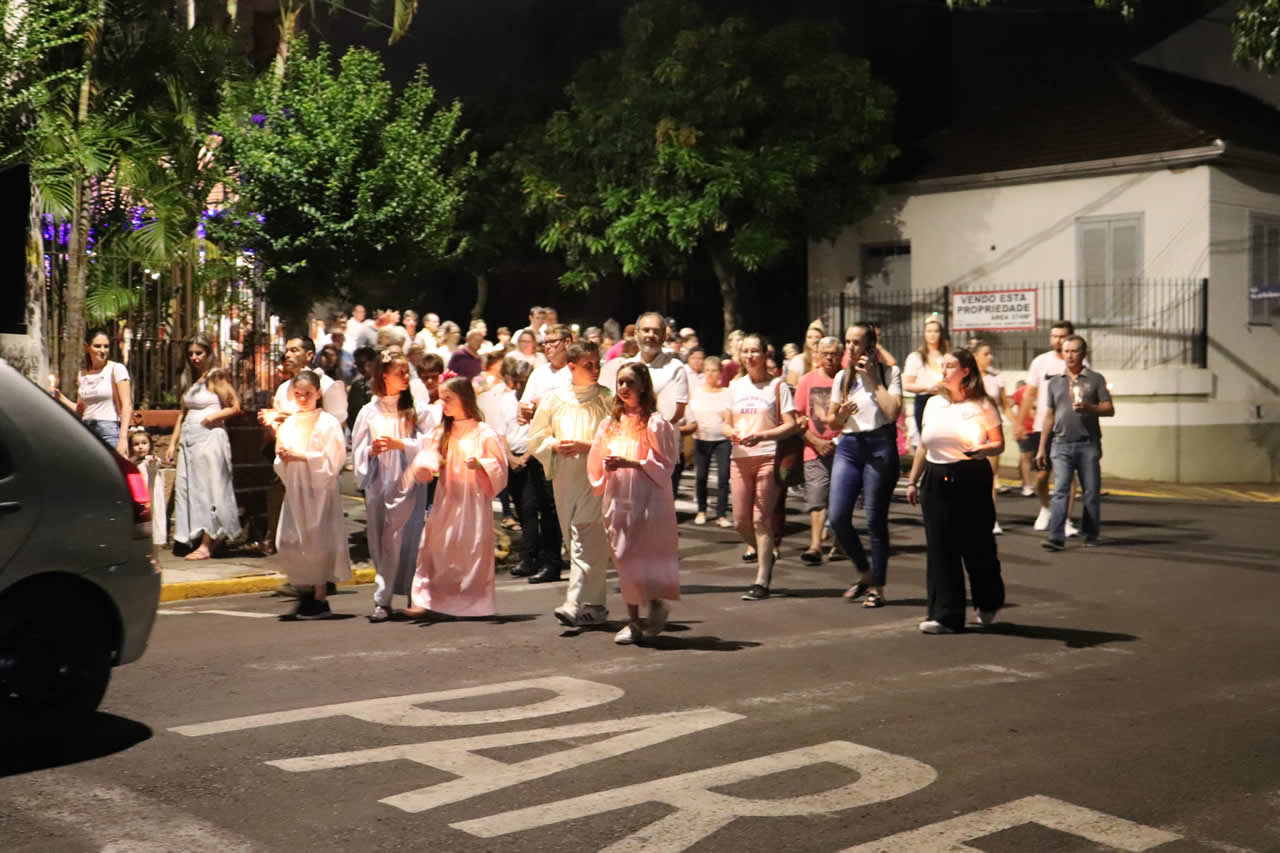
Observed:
{"x":1043,"y":367}
{"x":670,"y":380}
{"x":537,"y":316}
{"x":333,"y":396}
{"x":426,"y":337}
{"x":360,"y":331}
{"x":539,"y":504}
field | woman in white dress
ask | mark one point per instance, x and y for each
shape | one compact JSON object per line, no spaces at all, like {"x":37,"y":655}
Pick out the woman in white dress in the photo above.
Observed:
{"x":388,"y":434}
{"x":204,"y":504}
{"x":311,"y":537}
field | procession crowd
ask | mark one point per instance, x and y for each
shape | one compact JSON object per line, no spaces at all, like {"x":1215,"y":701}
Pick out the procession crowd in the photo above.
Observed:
{"x":583,"y":435}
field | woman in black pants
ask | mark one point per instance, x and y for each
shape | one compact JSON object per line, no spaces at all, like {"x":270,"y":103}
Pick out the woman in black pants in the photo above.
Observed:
{"x":951,"y":479}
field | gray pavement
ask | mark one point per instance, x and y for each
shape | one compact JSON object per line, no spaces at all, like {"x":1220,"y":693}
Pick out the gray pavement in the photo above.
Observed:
{"x":1128,"y":698}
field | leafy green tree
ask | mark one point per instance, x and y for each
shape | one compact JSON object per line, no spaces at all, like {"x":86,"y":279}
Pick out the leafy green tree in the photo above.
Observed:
{"x":708,"y":136}
{"x":336,"y":178}
{"x":36,"y":38}
{"x":1256,"y":28}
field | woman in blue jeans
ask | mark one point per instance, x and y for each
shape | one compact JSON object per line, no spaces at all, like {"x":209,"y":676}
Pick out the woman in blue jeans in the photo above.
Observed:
{"x":866,"y":398}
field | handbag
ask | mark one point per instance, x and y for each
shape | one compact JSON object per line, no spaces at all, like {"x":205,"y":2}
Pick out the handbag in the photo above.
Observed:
{"x":788,"y":454}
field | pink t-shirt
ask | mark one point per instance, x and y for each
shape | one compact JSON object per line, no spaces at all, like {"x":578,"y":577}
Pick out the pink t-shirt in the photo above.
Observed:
{"x":813,"y":395}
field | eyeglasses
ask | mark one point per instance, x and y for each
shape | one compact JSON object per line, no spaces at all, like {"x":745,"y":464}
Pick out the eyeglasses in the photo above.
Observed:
{"x":549,"y":341}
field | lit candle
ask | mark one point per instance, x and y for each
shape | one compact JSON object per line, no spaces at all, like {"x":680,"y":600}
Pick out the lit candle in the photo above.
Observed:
{"x":976,"y":432}
{"x":1075,"y":392}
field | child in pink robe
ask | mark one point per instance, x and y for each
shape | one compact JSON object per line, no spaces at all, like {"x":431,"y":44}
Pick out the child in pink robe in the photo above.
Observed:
{"x":630,"y":464}
{"x":455,"y":573}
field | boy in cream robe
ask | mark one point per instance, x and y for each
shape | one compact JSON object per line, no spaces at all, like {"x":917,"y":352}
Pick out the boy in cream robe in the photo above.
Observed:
{"x":560,"y":438}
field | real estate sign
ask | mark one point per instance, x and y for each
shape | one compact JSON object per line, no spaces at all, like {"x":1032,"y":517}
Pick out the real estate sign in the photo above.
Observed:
{"x":994,"y":310}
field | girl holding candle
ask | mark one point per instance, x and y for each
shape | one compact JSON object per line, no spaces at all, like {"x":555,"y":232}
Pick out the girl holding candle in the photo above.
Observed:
{"x":311,"y":537}
{"x":389,"y":432}
{"x":630,"y":465}
{"x":761,"y":411}
{"x":951,"y":479}
{"x":455,"y":574}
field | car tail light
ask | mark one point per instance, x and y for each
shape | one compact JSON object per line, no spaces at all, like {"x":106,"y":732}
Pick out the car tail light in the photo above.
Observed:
{"x":137,"y":489}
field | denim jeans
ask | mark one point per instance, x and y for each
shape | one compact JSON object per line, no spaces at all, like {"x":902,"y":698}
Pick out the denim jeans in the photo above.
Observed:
{"x":866,"y":463}
{"x":703,"y":453}
{"x":108,"y":431}
{"x":1069,"y":458}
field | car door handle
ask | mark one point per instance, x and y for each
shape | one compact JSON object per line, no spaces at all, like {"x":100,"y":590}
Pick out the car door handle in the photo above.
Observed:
{"x":10,"y":506}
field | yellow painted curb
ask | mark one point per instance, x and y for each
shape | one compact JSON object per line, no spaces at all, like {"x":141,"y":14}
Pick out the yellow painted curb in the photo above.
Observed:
{"x":239,"y":586}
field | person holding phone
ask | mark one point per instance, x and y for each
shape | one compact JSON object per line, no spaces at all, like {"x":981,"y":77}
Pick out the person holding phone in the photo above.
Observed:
{"x":865,"y":401}
{"x":951,"y":478}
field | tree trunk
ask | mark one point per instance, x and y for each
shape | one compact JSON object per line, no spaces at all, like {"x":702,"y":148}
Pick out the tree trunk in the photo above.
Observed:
{"x":482,"y":295}
{"x":726,"y":274}
{"x":74,"y":290}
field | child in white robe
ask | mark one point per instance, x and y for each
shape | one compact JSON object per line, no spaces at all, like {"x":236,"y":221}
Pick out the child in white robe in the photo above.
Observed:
{"x":311,"y":538}
{"x":389,"y":433}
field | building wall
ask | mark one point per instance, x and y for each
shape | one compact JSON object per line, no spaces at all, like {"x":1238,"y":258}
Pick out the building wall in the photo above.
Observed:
{"x":1172,"y":423}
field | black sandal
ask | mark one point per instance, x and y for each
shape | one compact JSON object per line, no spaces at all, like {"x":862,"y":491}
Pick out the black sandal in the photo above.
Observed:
{"x":874,"y":600}
{"x":811,"y":556}
{"x":756,"y":592}
{"x":749,"y":556}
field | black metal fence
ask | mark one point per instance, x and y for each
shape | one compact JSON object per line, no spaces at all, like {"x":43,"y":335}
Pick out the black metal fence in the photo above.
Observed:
{"x":155,"y":369}
{"x":1129,"y":326}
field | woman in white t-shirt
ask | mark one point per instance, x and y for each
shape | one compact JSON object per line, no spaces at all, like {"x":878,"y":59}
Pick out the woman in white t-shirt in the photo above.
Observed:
{"x":708,"y":402}
{"x":951,"y":479}
{"x":922,"y":374}
{"x":104,"y":395}
{"x":761,"y":411}
{"x":865,"y":401}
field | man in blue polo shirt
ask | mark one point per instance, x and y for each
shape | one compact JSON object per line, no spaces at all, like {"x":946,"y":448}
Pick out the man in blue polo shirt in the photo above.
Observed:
{"x":1074,"y":401}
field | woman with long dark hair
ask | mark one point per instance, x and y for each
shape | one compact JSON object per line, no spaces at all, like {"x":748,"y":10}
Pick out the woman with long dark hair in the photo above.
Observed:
{"x":951,"y":480}
{"x":922,"y":374}
{"x":104,"y":394}
{"x":389,"y":432}
{"x":455,"y":563}
{"x":204,"y":497}
{"x":866,"y":398}
{"x":630,"y":465}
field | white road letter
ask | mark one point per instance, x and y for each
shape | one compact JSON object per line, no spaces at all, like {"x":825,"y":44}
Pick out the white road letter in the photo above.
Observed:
{"x":480,"y":774}
{"x":700,"y":811}
{"x":948,"y":836}
{"x":572,"y":694}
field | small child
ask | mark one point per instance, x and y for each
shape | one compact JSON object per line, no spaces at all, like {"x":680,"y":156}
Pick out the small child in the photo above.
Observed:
{"x":143,"y":455}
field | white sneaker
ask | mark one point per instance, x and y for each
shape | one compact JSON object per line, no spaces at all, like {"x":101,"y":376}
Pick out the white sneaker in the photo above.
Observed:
{"x":997,"y":530}
{"x":700,"y":518}
{"x":566,"y":615}
{"x":592,"y":614}
{"x":933,"y":626}
{"x":1072,"y":530}
{"x":657,"y":619}
{"x":1028,"y":491}
{"x":986,"y":617}
{"x":1042,"y":520}
{"x":628,"y":636}
{"x":724,"y":521}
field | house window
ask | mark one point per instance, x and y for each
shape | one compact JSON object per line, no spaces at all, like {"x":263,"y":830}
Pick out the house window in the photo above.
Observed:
{"x":1109,"y":266}
{"x":1264,"y":269}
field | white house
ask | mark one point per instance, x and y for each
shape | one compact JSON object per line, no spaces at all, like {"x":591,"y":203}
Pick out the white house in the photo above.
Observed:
{"x":1131,"y":185}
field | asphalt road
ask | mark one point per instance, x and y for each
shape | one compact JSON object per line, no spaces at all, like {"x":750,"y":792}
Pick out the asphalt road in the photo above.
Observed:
{"x":1128,"y":698}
